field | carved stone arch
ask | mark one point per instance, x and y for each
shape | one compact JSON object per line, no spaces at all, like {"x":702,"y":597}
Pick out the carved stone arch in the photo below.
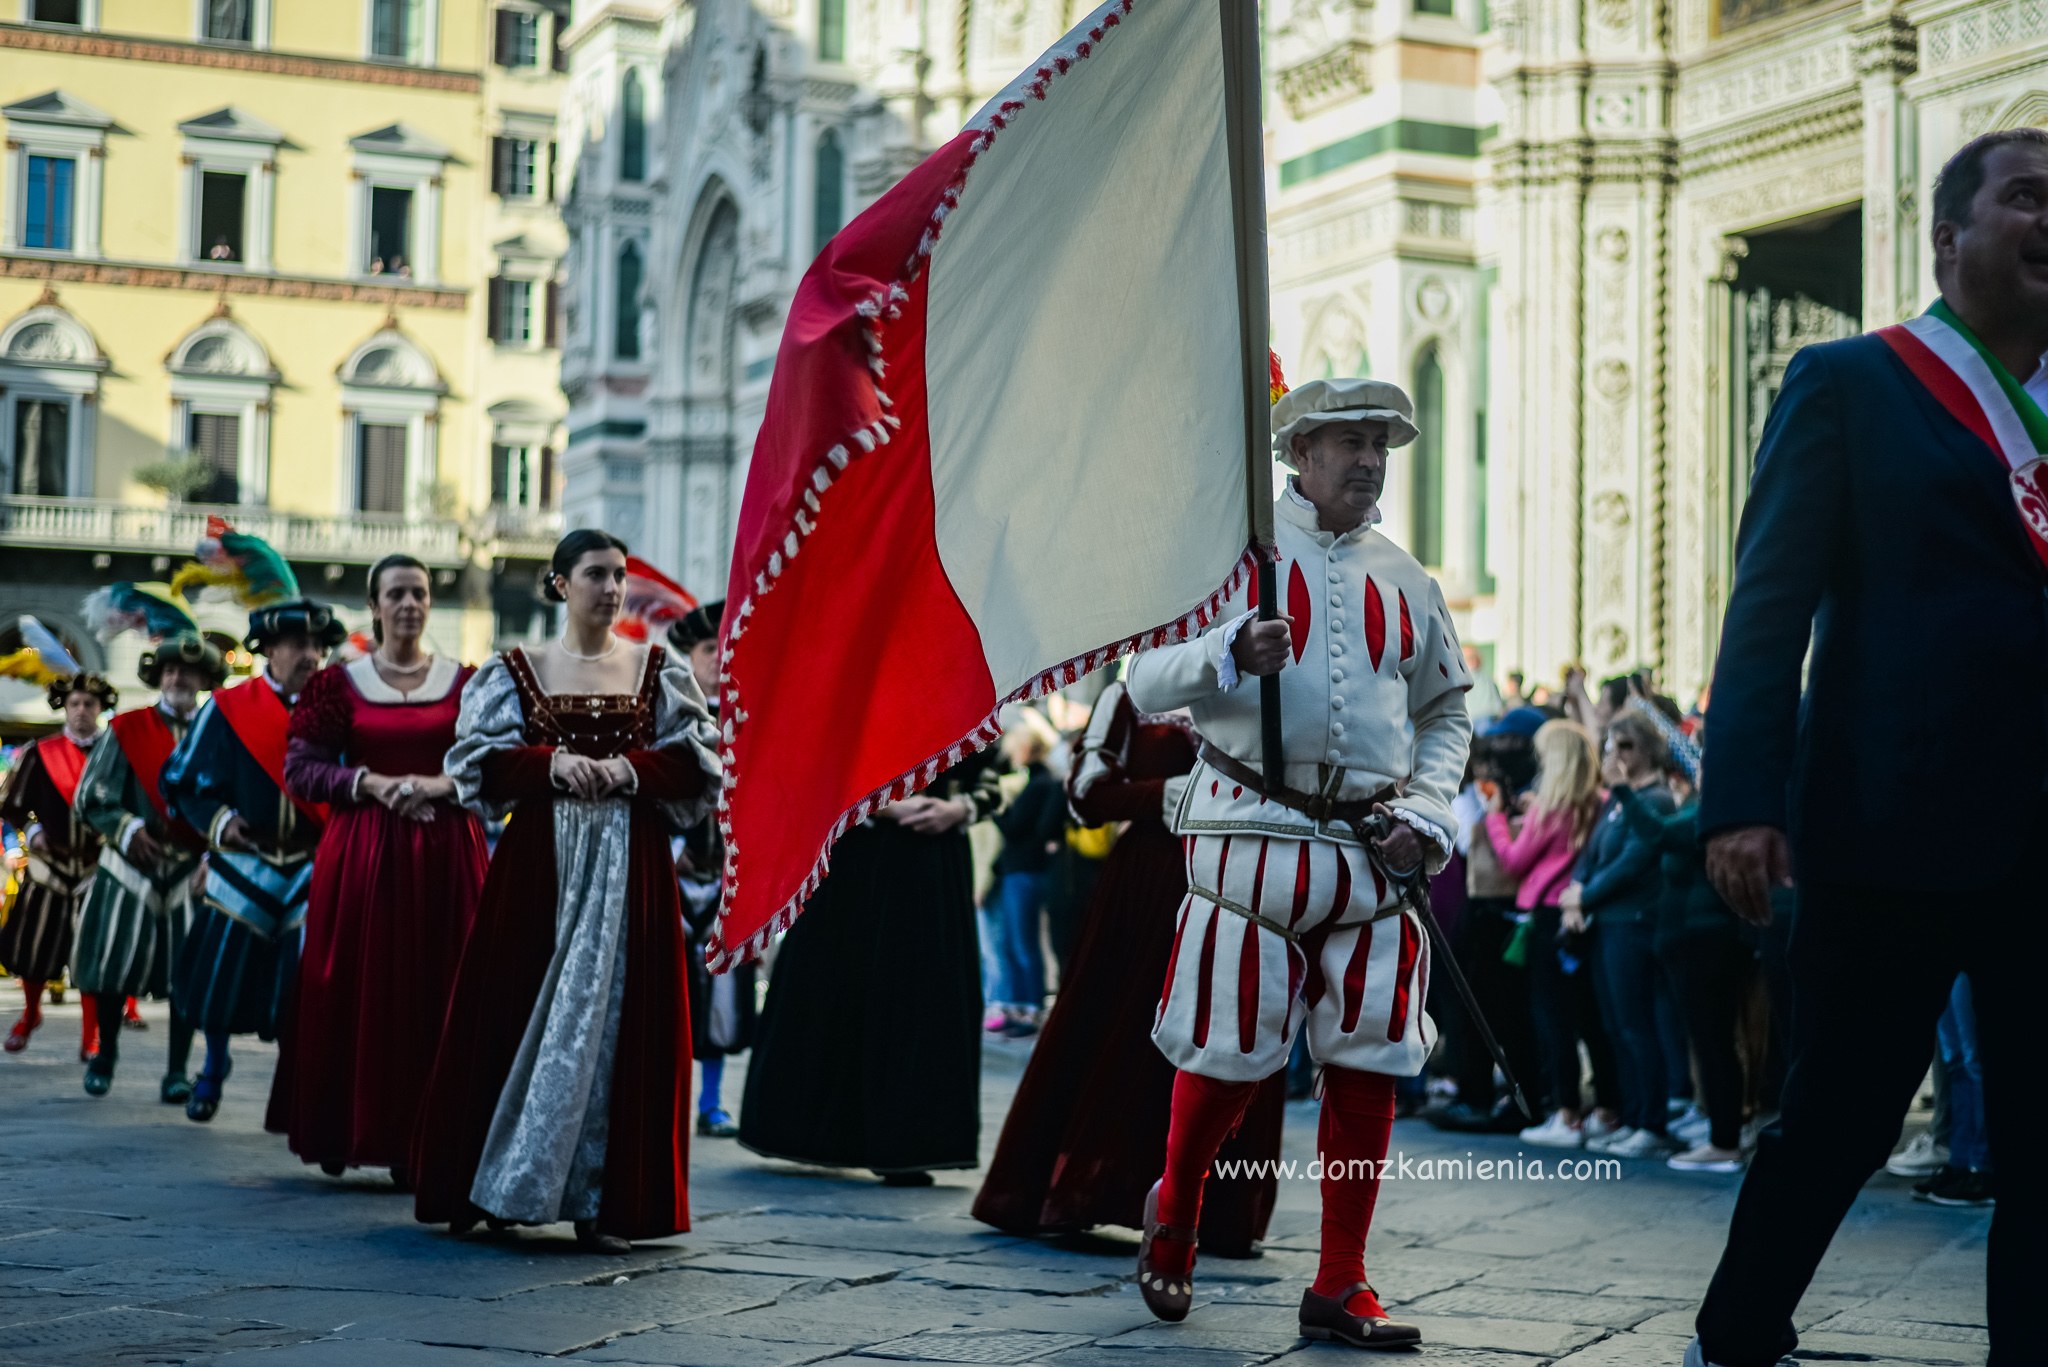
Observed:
{"x":221,"y":348}
{"x":391,"y":360}
{"x":47,"y":336}
{"x":2028,"y":111}
{"x":710,"y":288}
{"x":1335,"y":342}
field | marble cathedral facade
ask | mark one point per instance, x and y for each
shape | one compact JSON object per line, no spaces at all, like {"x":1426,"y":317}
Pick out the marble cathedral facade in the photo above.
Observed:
{"x":1681,"y":194}
{"x":720,"y":144}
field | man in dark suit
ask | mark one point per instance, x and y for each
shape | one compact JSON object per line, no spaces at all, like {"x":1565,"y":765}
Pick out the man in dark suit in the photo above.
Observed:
{"x":1907,"y":791}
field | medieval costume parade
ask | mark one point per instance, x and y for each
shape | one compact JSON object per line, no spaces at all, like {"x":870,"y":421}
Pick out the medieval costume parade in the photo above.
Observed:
{"x":395,"y":886}
{"x":721,"y":1004}
{"x":562,"y":1083}
{"x":143,"y":901}
{"x":868,"y":1053}
{"x":1296,"y":915}
{"x":1060,"y":1165}
{"x":226,"y":780}
{"x":63,"y":850}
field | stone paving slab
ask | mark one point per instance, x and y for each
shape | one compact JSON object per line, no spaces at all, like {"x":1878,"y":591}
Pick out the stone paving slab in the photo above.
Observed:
{"x":663,"y":1298}
{"x":1630,"y":1350}
{"x":1102,"y":1355}
{"x":977,"y":1345}
{"x":316,"y":1312}
{"x":666,"y":1347}
{"x":1538,"y":1338}
{"x":167,"y":1242}
{"x":982,"y":1277}
{"x":497,"y":1325}
{"x":346,"y":1353}
{"x":1558,"y":1307}
{"x":101,"y":1335}
{"x":787,"y":1260}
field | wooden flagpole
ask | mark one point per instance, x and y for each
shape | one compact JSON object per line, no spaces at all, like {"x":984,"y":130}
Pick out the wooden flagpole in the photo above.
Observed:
{"x":1243,"y":92}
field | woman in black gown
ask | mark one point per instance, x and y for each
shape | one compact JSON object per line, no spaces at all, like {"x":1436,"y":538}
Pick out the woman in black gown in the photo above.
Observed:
{"x":867,"y":1053}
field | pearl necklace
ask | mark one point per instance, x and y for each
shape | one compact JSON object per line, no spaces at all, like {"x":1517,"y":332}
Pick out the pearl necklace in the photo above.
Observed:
{"x":610,"y":646}
{"x":385,"y":660}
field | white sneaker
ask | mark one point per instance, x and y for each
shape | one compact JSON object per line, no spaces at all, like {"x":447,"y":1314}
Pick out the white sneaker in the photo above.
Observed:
{"x":1596,"y":1127}
{"x":1696,"y":1356}
{"x":1705,"y":1158}
{"x":1642,"y":1144}
{"x":1605,"y":1143}
{"x":1920,"y":1158}
{"x":1554,"y":1133}
{"x":1693,"y":1119}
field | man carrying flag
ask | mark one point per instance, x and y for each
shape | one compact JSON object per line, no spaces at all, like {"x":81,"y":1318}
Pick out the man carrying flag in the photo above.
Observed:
{"x":1898,"y":522}
{"x":1296,"y":914}
{"x":141,"y":905}
{"x":226,"y":781}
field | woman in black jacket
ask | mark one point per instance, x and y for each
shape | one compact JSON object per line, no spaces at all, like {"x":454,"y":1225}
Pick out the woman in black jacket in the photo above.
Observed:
{"x":1711,"y":959}
{"x":1616,"y":900}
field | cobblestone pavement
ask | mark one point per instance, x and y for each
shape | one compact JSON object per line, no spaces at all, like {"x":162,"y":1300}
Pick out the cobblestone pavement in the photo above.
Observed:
{"x":131,"y":1235}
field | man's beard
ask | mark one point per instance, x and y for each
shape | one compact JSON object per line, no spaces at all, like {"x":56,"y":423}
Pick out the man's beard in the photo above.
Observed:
{"x":181,"y":701}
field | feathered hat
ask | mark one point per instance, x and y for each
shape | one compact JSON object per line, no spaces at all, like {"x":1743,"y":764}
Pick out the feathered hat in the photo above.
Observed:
{"x":156,"y":612}
{"x":261,"y":581}
{"x":42,"y":659}
{"x":95,"y":685}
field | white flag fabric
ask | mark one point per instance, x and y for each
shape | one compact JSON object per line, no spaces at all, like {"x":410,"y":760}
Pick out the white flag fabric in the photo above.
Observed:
{"x":1003,"y":445}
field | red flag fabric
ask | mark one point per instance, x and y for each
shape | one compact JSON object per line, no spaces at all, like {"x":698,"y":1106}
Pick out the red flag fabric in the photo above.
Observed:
{"x":654,"y":602}
{"x":1003,"y":446}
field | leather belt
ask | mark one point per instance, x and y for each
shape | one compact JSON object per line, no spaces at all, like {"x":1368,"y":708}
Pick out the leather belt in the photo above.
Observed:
{"x":1315,"y":806}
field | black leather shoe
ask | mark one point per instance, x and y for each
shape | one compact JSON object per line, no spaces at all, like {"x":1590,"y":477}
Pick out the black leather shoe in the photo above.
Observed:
{"x":1324,"y":1318}
{"x":175,"y":1089}
{"x":716,"y":1125}
{"x":596,"y":1241}
{"x":204,"y":1102}
{"x":334,"y":1169}
{"x":97,"y":1082}
{"x":1168,"y":1297}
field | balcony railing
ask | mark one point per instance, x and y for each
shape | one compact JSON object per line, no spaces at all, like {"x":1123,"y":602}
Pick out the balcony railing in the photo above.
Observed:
{"x":84,"y":524}
{"x":524,"y":533}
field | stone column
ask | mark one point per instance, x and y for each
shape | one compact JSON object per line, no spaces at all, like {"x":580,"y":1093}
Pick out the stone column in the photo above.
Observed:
{"x":1887,"y":52}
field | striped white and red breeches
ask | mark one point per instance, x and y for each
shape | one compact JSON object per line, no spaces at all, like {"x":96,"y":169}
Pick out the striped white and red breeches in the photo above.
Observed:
{"x":1350,"y":964}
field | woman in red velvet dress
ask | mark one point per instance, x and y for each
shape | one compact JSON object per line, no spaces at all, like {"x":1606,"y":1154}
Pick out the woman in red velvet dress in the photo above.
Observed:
{"x":562,"y":1087}
{"x":1086,"y":1129}
{"x":395,"y":886}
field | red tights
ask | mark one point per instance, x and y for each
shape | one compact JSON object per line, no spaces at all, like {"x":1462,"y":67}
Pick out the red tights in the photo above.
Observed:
{"x":1357,"y":1125}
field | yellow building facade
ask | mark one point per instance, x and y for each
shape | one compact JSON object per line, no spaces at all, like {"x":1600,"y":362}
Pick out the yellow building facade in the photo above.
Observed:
{"x":289,"y":262}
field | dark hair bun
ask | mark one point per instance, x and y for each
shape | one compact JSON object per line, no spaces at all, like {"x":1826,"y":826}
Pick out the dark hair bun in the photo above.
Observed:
{"x":550,"y":586}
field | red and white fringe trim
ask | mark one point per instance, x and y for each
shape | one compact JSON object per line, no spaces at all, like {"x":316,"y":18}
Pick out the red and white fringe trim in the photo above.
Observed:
{"x":883,"y":307}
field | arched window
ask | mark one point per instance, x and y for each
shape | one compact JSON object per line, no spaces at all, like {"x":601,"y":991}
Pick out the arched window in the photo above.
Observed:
{"x":221,"y":380}
{"x":390,"y":398}
{"x":632,"y":129}
{"x":626,"y":305}
{"x":831,"y":30}
{"x":1426,"y":496}
{"x":830,"y":191}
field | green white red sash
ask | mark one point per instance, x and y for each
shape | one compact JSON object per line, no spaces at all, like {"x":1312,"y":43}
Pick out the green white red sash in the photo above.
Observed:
{"x":261,"y":721}
{"x":1980,"y":393}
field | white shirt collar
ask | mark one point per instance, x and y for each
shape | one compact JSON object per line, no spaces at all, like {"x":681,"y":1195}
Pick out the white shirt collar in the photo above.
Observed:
{"x":1314,"y":522}
{"x":277,"y":687}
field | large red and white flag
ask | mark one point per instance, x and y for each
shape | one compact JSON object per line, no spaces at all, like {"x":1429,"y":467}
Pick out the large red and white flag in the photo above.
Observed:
{"x":1005,"y":444}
